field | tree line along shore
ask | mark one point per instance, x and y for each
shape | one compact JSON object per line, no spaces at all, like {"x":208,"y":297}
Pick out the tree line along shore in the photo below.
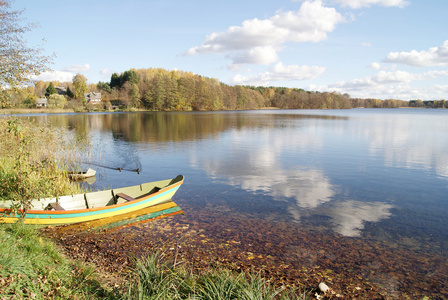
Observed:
{"x":163,"y":90}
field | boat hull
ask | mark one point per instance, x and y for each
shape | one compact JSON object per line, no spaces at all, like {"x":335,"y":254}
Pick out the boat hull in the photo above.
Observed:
{"x":114,"y":211}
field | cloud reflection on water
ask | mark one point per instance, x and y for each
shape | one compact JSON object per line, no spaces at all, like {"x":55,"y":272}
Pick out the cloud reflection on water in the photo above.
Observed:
{"x":349,"y":216}
{"x":310,"y":188}
{"x":409,"y":141}
{"x":260,"y":169}
{"x":345,"y":167}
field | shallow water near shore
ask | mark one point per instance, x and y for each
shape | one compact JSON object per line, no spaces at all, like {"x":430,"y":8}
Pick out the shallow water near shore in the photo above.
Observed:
{"x":352,"y":196}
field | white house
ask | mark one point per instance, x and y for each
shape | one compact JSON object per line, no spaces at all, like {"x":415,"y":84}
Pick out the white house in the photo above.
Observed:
{"x":93,"y":97}
{"x":41,"y":102}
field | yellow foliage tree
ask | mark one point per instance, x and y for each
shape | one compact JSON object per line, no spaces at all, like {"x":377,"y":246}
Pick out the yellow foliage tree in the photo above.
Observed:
{"x":79,"y":86}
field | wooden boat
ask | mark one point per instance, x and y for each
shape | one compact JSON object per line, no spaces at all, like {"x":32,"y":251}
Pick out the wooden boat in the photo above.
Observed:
{"x":82,"y":175}
{"x":134,"y":218}
{"x":150,"y":198}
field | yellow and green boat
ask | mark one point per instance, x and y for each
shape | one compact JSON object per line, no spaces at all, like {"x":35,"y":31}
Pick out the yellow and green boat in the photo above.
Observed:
{"x":153,"y":200}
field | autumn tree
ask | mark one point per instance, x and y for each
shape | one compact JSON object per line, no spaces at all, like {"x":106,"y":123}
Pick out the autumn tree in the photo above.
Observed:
{"x":131,"y":94}
{"x":156,"y":97}
{"x":242,"y":98}
{"x":56,"y":101}
{"x":22,"y":97}
{"x":160,"y":89}
{"x":187,"y":91}
{"x":18,"y":62}
{"x":40,"y":88}
{"x":30,"y":101}
{"x":229,"y":97}
{"x":79,"y":86}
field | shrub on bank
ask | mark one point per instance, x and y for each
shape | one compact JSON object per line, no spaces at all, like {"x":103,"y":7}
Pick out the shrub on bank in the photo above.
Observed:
{"x":33,"y":162}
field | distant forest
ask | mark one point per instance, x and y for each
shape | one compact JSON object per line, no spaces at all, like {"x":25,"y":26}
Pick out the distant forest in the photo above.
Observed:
{"x":159,"y":89}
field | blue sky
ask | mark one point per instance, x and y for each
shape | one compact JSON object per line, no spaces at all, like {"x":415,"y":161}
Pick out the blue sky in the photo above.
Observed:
{"x":366,"y":48}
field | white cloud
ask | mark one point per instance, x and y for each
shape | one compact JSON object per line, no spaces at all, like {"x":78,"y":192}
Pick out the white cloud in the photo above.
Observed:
{"x":386,"y":85}
{"x":258,"y":41}
{"x":253,"y":33}
{"x":366,"y":44}
{"x":384,"y":78}
{"x":258,"y":55}
{"x":61,"y":76}
{"x":310,"y":24}
{"x":435,"y":56}
{"x":367,"y":3}
{"x":78,"y":68}
{"x":280,"y":72}
{"x":375,"y":66}
{"x":441,"y":89}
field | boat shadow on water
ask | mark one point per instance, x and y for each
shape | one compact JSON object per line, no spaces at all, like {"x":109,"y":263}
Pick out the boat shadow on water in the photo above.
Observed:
{"x":148,"y":214}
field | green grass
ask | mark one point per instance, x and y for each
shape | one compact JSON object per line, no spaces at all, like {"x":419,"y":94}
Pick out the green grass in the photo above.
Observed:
{"x":156,"y":279}
{"x":31,"y":267}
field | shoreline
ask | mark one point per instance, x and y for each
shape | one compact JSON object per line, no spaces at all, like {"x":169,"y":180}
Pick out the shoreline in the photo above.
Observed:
{"x":18,"y":111}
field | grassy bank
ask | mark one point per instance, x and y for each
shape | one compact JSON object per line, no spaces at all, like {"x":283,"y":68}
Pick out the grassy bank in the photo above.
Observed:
{"x":32,"y":267}
{"x":155,"y":278}
{"x":15,"y":111}
{"x":33,"y":162}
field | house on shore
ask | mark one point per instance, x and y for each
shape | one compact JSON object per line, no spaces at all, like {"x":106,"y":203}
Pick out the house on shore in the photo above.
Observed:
{"x":93,"y":98}
{"x":41,"y":102}
{"x":61,"y":90}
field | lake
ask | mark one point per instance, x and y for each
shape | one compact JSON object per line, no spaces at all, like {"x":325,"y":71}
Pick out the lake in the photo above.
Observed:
{"x":353,"y":193}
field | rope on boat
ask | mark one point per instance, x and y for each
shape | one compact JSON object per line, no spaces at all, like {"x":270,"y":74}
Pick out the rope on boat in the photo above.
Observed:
{"x":113,"y":168}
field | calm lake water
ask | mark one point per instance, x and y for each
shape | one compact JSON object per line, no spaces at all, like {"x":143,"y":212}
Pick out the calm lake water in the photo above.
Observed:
{"x":364,"y":174}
